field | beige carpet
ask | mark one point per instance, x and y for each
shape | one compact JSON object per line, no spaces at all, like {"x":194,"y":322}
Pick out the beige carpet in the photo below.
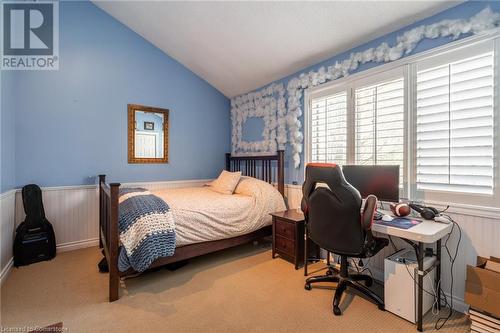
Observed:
{"x":238,"y":290}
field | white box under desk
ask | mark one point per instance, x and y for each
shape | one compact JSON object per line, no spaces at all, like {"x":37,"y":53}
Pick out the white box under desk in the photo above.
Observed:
{"x":400,"y":287}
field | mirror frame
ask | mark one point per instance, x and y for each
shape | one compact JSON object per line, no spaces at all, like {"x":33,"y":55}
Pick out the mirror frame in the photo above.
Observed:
{"x":132,"y":108}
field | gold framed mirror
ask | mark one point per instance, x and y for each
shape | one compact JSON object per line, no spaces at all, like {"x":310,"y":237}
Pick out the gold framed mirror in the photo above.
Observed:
{"x":147,"y":134}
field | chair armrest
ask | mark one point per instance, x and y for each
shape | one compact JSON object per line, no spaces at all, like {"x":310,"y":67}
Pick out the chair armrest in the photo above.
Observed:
{"x":369,"y":212}
{"x":303,"y":207}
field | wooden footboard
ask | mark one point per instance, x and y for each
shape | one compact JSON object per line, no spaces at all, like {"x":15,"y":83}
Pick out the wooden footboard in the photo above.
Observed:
{"x":108,"y":231}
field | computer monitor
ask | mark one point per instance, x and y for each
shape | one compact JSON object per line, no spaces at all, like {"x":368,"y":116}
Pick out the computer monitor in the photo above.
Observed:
{"x":379,"y":180}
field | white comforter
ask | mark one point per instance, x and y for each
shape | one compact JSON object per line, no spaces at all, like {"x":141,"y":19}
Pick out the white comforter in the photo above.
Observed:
{"x":201,"y":214}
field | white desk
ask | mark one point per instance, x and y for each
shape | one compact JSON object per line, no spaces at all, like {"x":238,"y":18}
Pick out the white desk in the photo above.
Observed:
{"x":425,"y":232}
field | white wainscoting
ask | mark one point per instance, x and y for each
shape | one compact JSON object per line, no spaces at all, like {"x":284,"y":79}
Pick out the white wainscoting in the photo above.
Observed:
{"x":73,"y":212}
{"x":7,"y":226}
{"x":480,"y":232}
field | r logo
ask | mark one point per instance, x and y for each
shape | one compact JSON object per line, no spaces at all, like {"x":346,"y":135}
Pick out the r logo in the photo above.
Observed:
{"x":28,"y":29}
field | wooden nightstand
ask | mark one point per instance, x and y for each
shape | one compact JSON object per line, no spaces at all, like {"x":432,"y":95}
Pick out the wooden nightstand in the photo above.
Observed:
{"x":288,"y":236}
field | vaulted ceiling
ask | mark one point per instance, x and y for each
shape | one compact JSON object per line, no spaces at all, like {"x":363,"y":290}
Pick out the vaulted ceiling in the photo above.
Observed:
{"x":241,"y":46}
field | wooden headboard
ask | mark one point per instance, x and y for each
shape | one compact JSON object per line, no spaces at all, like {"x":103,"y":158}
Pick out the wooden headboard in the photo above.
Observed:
{"x":269,"y":168}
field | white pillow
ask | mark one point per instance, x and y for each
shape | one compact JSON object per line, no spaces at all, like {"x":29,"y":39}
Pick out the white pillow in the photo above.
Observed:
{"x":226,"y":182}
{"x":266,"y":195}
{"x":249,"y":186}
{"x":253,"y":187}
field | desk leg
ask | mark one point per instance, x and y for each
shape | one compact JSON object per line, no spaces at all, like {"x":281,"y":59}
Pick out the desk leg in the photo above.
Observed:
{"x":420,"y":258}
{"x":438,"y":272}
{"x":306,"y":237}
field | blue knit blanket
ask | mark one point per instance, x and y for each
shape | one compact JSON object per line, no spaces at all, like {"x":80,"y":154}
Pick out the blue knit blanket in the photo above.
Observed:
{"x":147,"y":229}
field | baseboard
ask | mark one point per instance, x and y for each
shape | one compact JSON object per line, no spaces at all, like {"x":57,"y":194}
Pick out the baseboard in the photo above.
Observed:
{"x":6,"y":271}
{"x":77,"y":245}
{"x":459,"y":304}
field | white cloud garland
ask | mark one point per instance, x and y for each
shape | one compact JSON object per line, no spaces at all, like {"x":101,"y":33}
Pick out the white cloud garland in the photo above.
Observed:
{"x":481,"y":22}
{"x":269,"y":104}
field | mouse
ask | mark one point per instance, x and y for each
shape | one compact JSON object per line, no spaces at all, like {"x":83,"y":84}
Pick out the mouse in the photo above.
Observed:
{"x":387,"y":218}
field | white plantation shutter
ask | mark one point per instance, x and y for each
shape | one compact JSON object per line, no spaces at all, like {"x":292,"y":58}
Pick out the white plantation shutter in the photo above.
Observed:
{"x":455,"y":106}
{"x":329,"y":129}
{"x":379,"y":124}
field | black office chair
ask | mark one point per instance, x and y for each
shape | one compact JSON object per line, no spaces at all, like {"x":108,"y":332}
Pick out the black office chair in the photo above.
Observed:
{"x":335,"y":222}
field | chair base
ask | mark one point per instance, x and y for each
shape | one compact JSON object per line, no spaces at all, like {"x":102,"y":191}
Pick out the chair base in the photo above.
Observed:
{"x":344,"y":280}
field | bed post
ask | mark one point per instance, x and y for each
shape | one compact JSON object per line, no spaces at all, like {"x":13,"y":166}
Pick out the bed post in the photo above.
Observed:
{"x":102,"y":180}
{"x":114,"y":277}
{"x":281,"y":172}
{"x":228,"y":161}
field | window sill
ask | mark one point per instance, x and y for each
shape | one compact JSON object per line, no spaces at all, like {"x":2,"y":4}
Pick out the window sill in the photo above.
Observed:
{"x":469,"y":210}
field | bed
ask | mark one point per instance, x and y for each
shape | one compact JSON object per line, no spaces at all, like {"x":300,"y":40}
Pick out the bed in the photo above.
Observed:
{"x":206,"y":221}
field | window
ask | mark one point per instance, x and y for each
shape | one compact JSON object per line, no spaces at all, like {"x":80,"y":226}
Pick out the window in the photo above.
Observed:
{"x":361,"y":123}
{"x":455,"y":126}
{"x":436,"y":115}
{"x":379,"y":124}
{"x":329,"y":128}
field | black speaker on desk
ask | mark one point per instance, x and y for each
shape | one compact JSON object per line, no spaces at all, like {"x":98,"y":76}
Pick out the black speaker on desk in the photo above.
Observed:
{"x":35,"y":239}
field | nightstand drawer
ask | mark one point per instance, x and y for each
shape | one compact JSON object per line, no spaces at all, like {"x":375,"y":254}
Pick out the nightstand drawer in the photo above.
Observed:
{"x":284,"y":229}
{"x":285,"y":245}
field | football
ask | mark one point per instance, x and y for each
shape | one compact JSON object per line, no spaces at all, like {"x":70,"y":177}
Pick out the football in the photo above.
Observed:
{"x":400,"y":209}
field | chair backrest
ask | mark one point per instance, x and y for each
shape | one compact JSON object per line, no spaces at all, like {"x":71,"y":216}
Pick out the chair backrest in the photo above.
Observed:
{"x":333,"y":214}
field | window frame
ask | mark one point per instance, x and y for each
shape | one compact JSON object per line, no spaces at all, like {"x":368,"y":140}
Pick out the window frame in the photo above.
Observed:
{"x":342,"y":91}
{"x":375,"y":79}
{"x":474,"y":199}
{"x":350,"y":85}
{"x":408,"y":66}
{"x":323,"y":91}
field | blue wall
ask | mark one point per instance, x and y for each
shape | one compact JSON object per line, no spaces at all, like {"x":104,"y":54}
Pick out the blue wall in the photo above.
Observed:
{"x":71,"y":124}
{"x":7,"y":157}
{"x":464,"y":10}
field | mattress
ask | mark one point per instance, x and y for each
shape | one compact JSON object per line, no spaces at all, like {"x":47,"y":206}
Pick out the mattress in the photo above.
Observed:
{"x":201,"y":214}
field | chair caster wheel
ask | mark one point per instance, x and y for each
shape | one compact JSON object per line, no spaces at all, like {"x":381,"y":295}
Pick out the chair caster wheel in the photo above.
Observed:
{"x":381,"y":307}
{"x":336,"y":311}
{"x":307,"y":286}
